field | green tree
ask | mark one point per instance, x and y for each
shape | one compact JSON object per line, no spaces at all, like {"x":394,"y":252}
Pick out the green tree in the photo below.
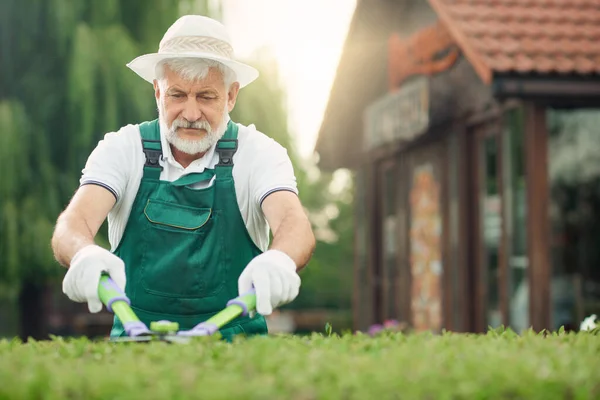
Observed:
{"x":64,"y":84}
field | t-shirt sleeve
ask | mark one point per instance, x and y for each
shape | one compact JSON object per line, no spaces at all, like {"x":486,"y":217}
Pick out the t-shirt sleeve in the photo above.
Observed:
{"x":273,"y":171}
{"x":108,"y":164}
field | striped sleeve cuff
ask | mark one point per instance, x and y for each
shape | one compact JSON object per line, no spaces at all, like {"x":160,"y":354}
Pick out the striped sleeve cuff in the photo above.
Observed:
{"x":279,"y":189}
{"x":102,"y":184}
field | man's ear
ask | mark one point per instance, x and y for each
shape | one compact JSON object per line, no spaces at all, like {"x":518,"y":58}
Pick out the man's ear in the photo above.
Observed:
{"x":156,"y":90}
{"x":234,"y":89}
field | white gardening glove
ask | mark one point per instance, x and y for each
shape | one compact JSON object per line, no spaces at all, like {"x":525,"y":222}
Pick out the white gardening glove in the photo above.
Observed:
{"x":83,"y":276}
{"x":275,"y":280}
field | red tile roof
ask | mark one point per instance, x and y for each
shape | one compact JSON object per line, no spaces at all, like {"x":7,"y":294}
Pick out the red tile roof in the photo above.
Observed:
{"x":525,"y":36}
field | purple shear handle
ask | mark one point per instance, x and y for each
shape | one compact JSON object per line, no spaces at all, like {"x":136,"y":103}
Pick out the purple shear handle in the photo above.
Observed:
{"x":240,"y":303}
{"x":210,"y":327}
{"x":135,"y":328}
{"x":202,"y":329}
{"x":109,"y":284}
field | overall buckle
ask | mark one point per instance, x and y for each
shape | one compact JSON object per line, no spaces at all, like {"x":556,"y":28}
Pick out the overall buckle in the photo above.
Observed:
{"x":226,"y":148}
{"x":152,"y":158}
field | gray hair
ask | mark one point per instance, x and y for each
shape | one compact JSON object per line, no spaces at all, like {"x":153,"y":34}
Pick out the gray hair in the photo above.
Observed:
{"x":194,"y":69}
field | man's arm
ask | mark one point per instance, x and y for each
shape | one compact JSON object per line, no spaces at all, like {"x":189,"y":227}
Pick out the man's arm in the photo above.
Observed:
{"x":79,"y":223}
{"x":292,"y":231}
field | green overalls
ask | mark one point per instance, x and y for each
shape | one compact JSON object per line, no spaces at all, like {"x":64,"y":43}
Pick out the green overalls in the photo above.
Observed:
{"x":185,"y":248}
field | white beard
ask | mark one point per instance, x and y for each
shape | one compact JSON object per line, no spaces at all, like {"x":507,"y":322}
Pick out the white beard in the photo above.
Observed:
{"x":193,"y":146}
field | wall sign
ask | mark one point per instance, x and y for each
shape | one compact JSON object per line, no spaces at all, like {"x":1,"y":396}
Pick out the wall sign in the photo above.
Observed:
{"x":429,"y":51}
{"x":401,"y":115}
{"x":405,"y":111}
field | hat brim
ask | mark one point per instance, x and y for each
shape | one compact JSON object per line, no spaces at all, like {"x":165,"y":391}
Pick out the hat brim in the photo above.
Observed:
{"x":145,"y":65}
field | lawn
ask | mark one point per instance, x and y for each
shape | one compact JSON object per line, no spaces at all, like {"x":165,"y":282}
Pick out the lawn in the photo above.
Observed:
{"x":497,"y":365}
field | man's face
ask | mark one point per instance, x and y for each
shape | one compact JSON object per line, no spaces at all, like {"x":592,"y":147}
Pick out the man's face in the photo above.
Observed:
{"x":194,"y":112}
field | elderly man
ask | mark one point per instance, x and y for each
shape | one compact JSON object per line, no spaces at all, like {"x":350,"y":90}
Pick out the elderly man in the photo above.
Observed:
{"x":189,"y":197}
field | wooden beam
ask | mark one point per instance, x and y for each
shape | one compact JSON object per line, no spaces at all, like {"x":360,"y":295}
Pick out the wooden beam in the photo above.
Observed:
{"x":465,"y":243}
{"x":503,"y":272}
{"x":448,"y":270}
{"x":525,"y":87}
{"x":474,"y":289}
{"x":538,"y":225}
{"x":375,"y":269}
{"x":404,"y":275}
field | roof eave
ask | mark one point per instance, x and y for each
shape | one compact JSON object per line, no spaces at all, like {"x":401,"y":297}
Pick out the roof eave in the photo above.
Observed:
{"x":482,"y":69}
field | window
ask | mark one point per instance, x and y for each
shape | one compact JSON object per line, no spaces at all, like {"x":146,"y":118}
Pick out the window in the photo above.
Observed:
{"x":491,"y":219}
{"x":515,"y":202}
{"x":574,"y":180}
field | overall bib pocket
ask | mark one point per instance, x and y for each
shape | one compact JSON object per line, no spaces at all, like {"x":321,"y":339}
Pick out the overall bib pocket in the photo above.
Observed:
{"x":183,"y":232}
{"x":175,"y":217}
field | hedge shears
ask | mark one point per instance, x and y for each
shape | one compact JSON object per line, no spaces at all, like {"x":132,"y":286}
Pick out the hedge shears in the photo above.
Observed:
{"x":118,"y":303}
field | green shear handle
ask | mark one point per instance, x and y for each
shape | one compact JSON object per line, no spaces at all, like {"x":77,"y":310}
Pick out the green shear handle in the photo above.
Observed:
{"x":118,"y":303}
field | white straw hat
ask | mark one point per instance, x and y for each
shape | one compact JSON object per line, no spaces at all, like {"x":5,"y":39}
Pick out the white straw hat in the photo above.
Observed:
{"x":194,"y":36}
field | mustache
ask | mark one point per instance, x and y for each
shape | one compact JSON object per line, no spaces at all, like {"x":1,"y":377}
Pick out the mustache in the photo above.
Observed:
{"x":184,"y":123}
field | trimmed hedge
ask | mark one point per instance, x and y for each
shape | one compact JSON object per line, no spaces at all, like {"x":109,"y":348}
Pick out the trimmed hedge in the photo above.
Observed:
{"x":497,"y":365}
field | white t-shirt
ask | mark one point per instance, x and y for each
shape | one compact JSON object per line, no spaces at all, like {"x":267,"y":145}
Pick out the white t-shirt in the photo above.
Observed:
{"x":261,"y":167}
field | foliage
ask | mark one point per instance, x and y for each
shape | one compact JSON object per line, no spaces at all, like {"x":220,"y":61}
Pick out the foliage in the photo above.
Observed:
{"x":573,"y":146}
{"x":500,"y":364}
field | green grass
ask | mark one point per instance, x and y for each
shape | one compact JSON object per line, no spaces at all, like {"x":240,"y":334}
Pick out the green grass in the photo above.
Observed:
{"x":498,"y":365}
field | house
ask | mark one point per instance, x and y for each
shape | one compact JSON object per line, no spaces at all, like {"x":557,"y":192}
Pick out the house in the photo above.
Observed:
{"x":472,"y":128}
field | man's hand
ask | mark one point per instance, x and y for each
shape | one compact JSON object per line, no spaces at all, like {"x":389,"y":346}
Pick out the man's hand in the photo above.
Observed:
{"x":274,"y":273}
{"x":83,"y":276}
{"x":275,"y":280}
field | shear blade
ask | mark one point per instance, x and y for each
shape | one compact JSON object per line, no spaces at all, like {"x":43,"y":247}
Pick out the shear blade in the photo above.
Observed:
{"x":151,"y":338}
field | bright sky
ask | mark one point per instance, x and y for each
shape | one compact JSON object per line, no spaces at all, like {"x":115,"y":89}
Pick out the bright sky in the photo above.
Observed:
{"x":306,"y":37}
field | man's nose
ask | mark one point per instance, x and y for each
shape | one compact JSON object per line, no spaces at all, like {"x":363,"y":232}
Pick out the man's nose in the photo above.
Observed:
{"x":191,"y":111}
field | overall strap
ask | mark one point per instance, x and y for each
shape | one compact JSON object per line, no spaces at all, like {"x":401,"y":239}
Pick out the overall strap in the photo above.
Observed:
{"x":150,"y":135}
{"x":226,"y":148}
